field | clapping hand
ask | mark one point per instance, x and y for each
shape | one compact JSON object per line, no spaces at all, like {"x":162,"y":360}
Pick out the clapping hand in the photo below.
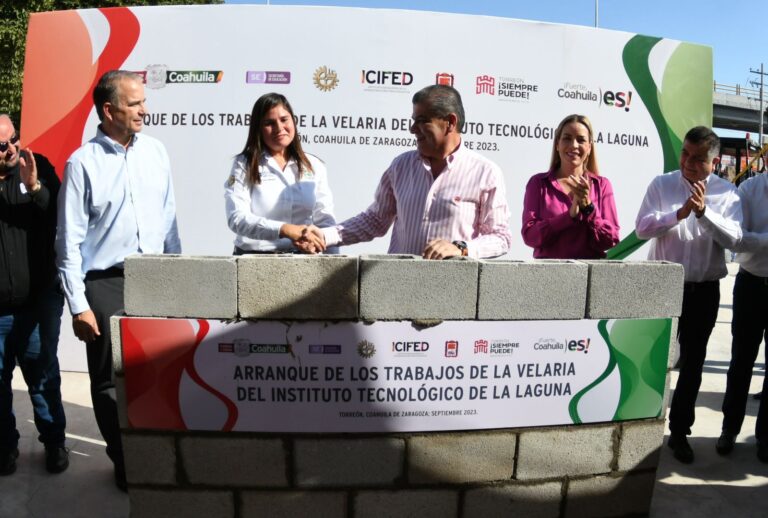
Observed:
{"x":579,"y":186}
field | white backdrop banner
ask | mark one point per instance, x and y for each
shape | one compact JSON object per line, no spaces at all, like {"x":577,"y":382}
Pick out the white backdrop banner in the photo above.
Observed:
{"x":350,"y":75}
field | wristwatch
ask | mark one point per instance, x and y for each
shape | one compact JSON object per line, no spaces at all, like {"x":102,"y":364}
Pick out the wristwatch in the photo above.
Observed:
{"x":589,"y":209}
{"x":462,"y":246}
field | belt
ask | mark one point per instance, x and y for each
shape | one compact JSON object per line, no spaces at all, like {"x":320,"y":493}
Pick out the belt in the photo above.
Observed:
{"x":703,"y":285}
{"x":109,"y":273}
{"x":753,"y":278}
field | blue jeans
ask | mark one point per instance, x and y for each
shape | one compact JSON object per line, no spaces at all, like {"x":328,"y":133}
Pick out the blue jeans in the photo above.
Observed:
{"x":30,"y":337}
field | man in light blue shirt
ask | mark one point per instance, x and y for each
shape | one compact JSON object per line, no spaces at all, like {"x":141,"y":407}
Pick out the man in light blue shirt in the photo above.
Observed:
{"x":116,"y":200}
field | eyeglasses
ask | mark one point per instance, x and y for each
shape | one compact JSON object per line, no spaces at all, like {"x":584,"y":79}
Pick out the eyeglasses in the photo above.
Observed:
{"x":4,"y":145}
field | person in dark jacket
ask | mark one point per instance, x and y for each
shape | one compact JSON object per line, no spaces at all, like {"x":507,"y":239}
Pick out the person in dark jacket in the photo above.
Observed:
{"x":31,"y":302}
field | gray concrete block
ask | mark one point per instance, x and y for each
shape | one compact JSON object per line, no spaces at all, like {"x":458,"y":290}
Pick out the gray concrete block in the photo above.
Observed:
{"x":348,"y":462}
{"x":605,"y":496}
{"x":294,"y":504}
{"x":634,"y":289}
{"x":532,"y":290}
{"x":181,"y":286}
{"x":531,"y":501}
{"x":674,"y":347}
{"x":406,"y":504}
{"x":234,"y":461}
{"x":476,"y":457}
{"x":150,"y":459}
{"x":298,"y":287}
{"x":150,"y":503}
{"x":640,"y":444}
{"x":117,"y":343}
{"x":122,"y":404}
{"x":583,"y":450}
{"x":406,"y":287}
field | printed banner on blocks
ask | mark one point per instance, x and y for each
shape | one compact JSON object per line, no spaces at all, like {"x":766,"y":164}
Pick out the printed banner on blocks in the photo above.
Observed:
{"x":268,"y":376}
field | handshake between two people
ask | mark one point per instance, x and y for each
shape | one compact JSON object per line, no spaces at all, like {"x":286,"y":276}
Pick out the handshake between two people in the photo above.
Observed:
{"x":308,"y":239}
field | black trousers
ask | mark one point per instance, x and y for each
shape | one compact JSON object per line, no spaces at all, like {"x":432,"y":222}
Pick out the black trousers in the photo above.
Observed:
{"x":104,"y":291}
{"x":749,"y":328}
{"x":701,"y":301}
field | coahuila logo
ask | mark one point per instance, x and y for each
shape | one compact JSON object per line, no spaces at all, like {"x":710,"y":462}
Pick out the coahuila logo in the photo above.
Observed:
{"x":572,"y":345}
{"x":157,"y":76}
{"x":410,"y":348}
{"x":243,"y":347}
{"x":608,"y":98}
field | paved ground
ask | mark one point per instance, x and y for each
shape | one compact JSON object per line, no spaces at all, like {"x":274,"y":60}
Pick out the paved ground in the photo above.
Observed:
{"x":713,"y":486}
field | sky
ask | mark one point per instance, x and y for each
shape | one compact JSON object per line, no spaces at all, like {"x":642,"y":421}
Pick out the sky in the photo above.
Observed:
{"x":733,"y":29}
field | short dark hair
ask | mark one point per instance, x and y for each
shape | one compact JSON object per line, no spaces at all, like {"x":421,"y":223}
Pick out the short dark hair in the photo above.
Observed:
{"x":704,"y":135}
{"x":443,"y":100}
{"x":106,"y":89}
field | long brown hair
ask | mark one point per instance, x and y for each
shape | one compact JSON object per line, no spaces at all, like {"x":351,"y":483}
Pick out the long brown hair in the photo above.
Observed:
{"x":554,"y":161}
{"x":254,"y":146}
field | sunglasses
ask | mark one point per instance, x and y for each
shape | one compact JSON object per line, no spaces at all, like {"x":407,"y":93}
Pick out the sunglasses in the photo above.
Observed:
{"x":4,"y":145}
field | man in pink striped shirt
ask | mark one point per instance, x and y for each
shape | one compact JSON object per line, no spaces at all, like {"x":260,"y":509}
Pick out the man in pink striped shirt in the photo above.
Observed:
{"x":445,"y":200}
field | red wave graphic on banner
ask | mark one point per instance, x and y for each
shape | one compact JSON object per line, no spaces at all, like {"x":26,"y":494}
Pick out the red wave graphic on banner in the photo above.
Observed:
{"x":231,"y":407}
{"x":156,"y":353}
{"x":58,"y":138}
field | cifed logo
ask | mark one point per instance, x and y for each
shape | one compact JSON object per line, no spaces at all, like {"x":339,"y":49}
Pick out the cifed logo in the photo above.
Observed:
{"x":410,"y":348}
{"x":325,"y":79}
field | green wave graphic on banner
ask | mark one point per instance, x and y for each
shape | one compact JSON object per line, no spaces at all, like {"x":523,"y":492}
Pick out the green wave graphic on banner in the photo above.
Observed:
{"x":639,"y":349}
{"x":682,"y":101}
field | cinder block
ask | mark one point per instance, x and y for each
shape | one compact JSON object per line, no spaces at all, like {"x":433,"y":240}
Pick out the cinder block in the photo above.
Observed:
{"x":406,"y":504}
{"x":407,"y":287}
{"x":673,"y":345}
{"x":532,"y":290}
{"x":297,"y":287}
{"x":150,"y":459}
{"x":117,"y":343}
{"x":352,"y":462}
{"x":234,"y":461}
{"x":314,"y":504}
{"x":629,"y":495}
{"x":461,"y":458}
{"x":122,"y":404}
{"x":531,"y":501}
{"x":583,"y":450}
{"x":634,"y":289}
{"x":150,"y":503}
{"x":179,"y":286}
{"x":640,"y":444}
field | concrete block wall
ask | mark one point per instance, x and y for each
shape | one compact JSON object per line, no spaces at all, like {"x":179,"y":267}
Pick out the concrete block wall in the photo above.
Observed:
{"x":588,"y":470}
{"x":564,"y":471}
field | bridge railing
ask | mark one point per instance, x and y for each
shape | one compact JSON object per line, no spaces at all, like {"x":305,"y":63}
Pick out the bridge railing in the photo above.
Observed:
{"x":736,"y":90}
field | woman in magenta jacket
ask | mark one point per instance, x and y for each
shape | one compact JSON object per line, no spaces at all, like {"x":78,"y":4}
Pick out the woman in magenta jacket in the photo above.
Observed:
{"x":569,"y":212}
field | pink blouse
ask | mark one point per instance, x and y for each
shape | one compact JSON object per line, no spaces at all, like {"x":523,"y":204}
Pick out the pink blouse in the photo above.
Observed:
{"x":553,"y":234}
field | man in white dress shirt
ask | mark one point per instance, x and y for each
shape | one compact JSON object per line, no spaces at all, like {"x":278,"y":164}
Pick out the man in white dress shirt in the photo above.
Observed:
{"x":116,"y":200}
{"x":750,"y":318}
{"x":692,"y":216}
